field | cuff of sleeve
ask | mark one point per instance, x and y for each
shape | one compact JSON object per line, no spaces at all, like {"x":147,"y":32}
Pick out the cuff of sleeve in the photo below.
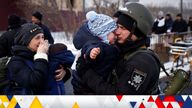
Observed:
{"x":41,"y":56}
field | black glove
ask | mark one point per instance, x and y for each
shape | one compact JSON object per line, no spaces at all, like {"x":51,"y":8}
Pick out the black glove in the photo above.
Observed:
{"x":81,"y":66}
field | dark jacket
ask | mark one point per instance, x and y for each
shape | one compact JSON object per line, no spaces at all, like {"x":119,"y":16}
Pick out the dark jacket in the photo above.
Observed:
{"x":26,"y":73}
{"x":102,"y":65}
{"x":179,"y":26}
{"x":7,"y":41}
{"x":47,"y":34}
{"x":136,"y":76}
{"x":169,"y":24}
{"x":190,"y":25}
{"x":106,"y":59}
{"x":64,"y":58}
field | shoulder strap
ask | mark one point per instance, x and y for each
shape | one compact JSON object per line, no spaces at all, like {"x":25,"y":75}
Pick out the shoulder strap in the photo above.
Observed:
{"x":127,"y":57}
{"x":9,"y":58}
{"x":28,"y":62}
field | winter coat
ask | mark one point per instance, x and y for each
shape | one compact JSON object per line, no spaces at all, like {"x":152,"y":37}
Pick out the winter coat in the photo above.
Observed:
{"x":106,"y":59}
{"x":27,"y":74}
{"x":190,"y":25}
{"x":102,"y":65}
{"x":135,"y":76}
{"x":169,"y":24}
{"x":179,"y":26}
{"x":64,"y":58}
{"x":7,"y":41}
{"x":47,"y":34}
{"x":159,"y":26}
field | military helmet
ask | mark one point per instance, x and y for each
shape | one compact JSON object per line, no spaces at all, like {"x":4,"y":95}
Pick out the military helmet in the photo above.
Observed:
{"x":141,"y":15}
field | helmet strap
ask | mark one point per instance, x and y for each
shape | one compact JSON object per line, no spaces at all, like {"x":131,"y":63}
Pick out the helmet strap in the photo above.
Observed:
{"x":132,"y":32}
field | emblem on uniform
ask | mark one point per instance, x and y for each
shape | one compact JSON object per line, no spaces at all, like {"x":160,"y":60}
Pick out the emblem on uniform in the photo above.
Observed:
{"x":137,"y":78}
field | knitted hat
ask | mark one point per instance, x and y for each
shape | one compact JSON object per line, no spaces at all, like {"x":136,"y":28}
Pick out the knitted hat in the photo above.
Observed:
{"x":100,"y":25}
{"x":56,"y":48}
{"x":38,"y":15}
{"x":128,"y":22}
{"x":26,"y":34}
{"x":117,"y":14}
{"x":14,"y":21}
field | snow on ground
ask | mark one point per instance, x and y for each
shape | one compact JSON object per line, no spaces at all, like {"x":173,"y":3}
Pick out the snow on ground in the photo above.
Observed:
{"x":60,"y":37}
{"x":169,"y":65}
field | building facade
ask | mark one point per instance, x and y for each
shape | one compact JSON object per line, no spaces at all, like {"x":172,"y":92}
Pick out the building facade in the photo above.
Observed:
{"x":55,"y":12}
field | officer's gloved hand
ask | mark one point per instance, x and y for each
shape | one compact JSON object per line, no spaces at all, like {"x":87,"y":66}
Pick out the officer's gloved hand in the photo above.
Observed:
{"x":81,"y":67}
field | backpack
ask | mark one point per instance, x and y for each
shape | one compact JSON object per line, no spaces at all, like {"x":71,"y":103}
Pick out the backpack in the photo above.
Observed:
{"x":9,"y":87}
{"x":3,"y":72}
{"x":178,"y":81}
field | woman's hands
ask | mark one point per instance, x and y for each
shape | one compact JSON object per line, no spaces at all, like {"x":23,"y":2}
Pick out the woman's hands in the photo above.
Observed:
{"x":43,"y":47}
{"x":60,"y":73}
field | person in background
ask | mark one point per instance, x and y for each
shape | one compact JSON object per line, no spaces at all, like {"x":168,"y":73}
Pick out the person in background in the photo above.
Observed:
{"x":23,"y":21}
{"x":190,"y":23}
{"x":168,"y":22}
{"x":179,"y":25}
{"x":159,"y":26}
{"x":7,"y":38}
{"x":37,"y":19}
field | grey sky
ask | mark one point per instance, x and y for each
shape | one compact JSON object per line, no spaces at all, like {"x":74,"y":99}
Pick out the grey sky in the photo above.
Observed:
{"x":174,"y":3}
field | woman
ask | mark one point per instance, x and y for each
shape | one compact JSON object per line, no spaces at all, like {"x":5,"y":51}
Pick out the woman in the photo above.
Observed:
{"x":28,"y":68}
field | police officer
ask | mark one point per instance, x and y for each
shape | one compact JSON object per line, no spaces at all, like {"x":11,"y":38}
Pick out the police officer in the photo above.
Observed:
{"x":138,"y":74}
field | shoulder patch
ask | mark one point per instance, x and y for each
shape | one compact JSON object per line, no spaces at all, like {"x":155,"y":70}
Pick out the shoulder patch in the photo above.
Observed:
{"x":137,"y":78}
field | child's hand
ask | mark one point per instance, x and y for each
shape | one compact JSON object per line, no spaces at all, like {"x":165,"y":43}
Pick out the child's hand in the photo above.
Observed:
{"x":94,"y":52}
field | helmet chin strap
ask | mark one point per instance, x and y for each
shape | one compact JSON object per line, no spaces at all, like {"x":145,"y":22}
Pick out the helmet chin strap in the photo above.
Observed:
{"x":132,"y":32}
{"x":129,"y":38}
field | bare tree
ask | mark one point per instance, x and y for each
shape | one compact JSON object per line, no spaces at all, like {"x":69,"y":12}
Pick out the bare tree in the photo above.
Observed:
{"x":97,"y":3}
{"x":106,"y":6}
